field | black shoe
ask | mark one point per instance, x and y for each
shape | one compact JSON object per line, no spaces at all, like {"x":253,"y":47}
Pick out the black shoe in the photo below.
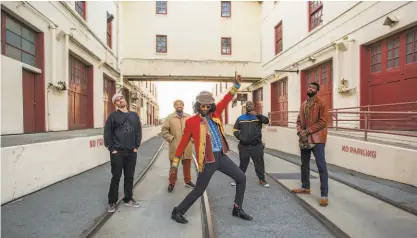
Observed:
{"x":190,"y":185}
{"x":238,"y":212}
{"x":178,"y":216}
{"x":171,"y":188}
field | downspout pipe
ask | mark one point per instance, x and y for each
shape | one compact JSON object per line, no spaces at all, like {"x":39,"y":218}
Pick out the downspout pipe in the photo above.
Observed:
{"x":53,"y":28}
{"x":119,"y":32}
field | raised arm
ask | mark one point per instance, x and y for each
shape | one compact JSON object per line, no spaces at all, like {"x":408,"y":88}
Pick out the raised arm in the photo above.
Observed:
{"x":229,"y":96}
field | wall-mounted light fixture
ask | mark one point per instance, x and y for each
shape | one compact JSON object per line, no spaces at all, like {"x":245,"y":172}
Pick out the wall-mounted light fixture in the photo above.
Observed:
{"x":390,"y":21}
{"x":340,"y":46}
{"x":110,"y":17}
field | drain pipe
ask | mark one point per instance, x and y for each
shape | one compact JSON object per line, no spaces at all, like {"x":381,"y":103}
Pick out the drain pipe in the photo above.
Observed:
{"x":53,"y":29}
{"x":66,"y":58}
{"x":119,"y":55}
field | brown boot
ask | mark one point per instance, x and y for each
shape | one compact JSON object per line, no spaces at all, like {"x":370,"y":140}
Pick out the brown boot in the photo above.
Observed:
{"x":301,"y":190}
{"x":324,"y":202}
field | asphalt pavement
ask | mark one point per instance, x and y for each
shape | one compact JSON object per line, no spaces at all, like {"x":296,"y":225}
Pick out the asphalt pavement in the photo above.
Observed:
{"x":67,"y":208}
{"x":275,"y":211}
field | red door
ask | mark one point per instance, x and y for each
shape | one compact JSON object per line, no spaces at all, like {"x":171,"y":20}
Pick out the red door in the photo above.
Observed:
{"x":279,"y":103}
{"x":78,"y":95}
{"x":109,"y":89}
{"x":390,"y":76}
{"x":258,"y":100}
{"x":31,"y":94}
{"x":323,"y":74}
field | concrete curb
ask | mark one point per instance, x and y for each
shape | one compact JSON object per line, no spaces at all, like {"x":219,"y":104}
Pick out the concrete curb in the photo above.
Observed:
{"x":310,"y":209}
{"x":106,"y":215}
{"x":208,"y":228}
{"x":372,"y":194}
{"x":367,"y":192}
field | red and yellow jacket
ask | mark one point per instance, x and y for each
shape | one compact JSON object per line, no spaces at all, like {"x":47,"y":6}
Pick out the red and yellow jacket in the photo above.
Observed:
{"x":196,"y":129}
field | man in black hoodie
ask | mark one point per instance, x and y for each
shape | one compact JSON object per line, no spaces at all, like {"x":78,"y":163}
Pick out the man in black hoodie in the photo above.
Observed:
{"x":122,"y":137}
{"x":248,"y":130}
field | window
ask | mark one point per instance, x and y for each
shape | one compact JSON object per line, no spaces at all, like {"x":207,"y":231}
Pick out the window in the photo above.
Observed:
{"x":161,"y":7}
{"x":109,"y":30}
{"x":376,"y":58}
{"x":278,"y":38}
{"x":226,"y":46}
{"x":393,"y":49}
{"x":18,"y":41}
{"x":395,"y":52}
{"x":161,"y":44}
{"x":315,"y":9}
{"x":226,"y":8}
{"x":411,"y":46}
{"x":80,"y":8}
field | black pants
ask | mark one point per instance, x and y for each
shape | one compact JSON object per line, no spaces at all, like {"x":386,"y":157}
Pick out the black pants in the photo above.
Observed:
{"x":225,"y":165}
{"x":123,"y":160}
{"x":318,"y":152}
{"x":257,"y":154}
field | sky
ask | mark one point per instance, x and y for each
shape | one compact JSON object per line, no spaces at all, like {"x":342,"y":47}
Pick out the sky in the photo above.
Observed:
{"x":168,"y":92}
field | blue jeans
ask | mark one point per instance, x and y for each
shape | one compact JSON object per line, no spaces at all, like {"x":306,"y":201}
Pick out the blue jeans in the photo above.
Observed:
{"x":318,"y":152}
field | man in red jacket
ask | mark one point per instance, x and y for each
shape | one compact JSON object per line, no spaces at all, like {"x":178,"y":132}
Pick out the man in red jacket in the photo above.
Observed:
{"x":211,"y":147}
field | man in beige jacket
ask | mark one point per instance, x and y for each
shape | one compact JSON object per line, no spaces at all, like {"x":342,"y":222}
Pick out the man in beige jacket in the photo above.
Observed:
{"x":172,"y":131}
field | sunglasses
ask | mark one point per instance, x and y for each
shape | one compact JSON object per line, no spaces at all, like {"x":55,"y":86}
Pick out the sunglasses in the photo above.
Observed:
{"x":205,"y":106}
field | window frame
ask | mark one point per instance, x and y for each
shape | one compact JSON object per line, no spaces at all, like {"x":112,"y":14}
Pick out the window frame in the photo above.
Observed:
{"x":109,"y":33}
{"x":230,"y":45}
{"x":166,"y":44}
{"x":311,"y":13}
{"x":229,"y":10}
{"x":36,"y":40}
{"x":166,"y":8}
{"x":83,"y":7}
{"x":402,"y":52}
{"x":276,"y":39}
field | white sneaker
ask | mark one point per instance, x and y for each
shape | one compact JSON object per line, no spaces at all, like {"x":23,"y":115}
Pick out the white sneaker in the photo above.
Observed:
{"x":232,"y":184}
{"x":264,"y":183}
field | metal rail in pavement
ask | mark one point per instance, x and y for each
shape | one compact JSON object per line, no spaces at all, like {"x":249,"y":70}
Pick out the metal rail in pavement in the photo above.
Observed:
{"x":206,"y":219}
{"x":90,"y":232}
{"x":336,"y":231}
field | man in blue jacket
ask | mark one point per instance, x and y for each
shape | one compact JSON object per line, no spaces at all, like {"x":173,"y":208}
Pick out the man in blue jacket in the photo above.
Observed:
{"x":248,"y":130}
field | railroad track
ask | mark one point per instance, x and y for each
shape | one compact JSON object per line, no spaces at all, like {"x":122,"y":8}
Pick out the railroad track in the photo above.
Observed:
{"x":336,"y":231}
{"x":106,"y":215}
{"x":207,"y":223}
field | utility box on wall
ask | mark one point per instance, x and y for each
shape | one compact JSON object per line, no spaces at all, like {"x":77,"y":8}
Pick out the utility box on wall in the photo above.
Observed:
{"x":243,"y":97}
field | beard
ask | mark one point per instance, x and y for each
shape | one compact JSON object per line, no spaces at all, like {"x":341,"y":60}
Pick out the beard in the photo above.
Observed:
{"x":179,"y":110}
{"x":204,"y":113}
{"x":249,"y":109}
{"x":311,"y":94}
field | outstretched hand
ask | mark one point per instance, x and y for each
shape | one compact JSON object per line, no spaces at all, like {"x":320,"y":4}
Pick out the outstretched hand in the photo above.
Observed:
{"x":238,"y":78}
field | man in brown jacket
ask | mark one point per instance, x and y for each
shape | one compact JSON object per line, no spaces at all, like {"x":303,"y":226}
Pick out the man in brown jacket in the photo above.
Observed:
{"x":312,"y":131}
{"x":172,"y":131}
